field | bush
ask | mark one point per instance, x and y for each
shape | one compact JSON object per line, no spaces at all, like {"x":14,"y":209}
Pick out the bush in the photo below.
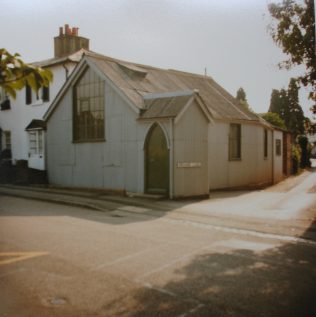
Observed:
{"x":274,"y":119}
{"x":296,"y":158}
{"x":305,"y":151}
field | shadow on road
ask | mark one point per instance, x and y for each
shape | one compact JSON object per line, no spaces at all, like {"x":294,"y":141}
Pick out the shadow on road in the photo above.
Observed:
{"x":279,"y":282}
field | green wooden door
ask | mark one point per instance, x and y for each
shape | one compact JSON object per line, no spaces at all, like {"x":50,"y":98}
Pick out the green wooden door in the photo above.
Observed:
{"x":157,"y":162}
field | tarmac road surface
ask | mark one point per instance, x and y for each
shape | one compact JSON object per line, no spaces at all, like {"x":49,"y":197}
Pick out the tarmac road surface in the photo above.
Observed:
{"x":236,"y":254}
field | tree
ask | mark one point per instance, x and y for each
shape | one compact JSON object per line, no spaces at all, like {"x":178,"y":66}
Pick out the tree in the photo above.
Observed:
{"x":275,"y":102}
{"x":15,"y":74}
{"x":296,"y":119}
{"x":293,"y":29}
{"x":279,"y":104}
{"x":241,"y":97}
{"x":274,"y":119}
{"x":286,"y":104}
{"x":310,"y":127}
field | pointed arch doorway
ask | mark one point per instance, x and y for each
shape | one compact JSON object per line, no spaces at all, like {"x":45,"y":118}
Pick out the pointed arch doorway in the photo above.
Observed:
{"x":156,"y":162}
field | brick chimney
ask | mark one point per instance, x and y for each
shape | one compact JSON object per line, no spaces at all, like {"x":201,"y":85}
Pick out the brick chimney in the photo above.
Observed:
{"x":68,"y":41}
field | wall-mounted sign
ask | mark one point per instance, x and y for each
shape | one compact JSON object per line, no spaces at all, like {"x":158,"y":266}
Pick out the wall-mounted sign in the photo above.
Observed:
{"x":189,"y":164}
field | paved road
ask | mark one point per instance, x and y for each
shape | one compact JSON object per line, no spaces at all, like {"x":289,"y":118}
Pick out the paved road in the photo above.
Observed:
{"x":67,"y":261}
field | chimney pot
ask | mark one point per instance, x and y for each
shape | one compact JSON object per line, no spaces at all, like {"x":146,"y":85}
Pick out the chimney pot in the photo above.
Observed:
{"x":68,"y":41}
{"x":67,"y":29}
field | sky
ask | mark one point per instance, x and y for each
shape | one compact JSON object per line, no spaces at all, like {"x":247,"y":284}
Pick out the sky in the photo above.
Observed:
{"x":228,"y":38}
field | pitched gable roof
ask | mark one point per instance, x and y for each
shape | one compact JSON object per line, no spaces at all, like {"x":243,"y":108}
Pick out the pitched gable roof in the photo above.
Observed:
{"x":136,"y":81}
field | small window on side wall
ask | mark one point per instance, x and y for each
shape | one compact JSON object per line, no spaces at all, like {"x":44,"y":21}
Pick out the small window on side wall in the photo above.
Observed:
{"x":265,"y":143}
{"x":235,"y":142}
{"x":278,"y":147}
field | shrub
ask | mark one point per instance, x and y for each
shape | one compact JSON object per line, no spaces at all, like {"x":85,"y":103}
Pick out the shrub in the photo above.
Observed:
{"x":296,"y":158}
{"x":305,"y":151}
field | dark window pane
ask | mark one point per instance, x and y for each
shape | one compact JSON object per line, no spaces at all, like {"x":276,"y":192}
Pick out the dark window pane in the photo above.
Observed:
{"x":28,"y":95}
{"x":88,"y":108}
{"x":235,"y":142}
{"x":265,"y":143}
{"x":45,"y":93}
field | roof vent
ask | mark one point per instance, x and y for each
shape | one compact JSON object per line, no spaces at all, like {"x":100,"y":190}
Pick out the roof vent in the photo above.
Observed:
{"x":133,"y":70}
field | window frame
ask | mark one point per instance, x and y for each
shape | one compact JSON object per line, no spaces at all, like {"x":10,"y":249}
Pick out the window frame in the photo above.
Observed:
{"x":28,"y":94}
{"x":89,"y":105}
{"x":278,"y":147}
{"x":7,"y":137}
{"x":38,"y":149}
{"x":45,"y":93}
{"x":265,"y":144}
{"x":233,"y":138}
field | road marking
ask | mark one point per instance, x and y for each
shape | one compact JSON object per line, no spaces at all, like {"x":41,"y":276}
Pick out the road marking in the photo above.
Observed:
{"x":18,"y":256}
{"x":193,"y":310}
{"x":121,"y":259}
{"x":158,"y":289}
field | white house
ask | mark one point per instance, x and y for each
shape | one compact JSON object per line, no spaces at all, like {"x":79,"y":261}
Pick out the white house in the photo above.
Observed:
{"x":21,"y":127}
{"x":135,"y":128}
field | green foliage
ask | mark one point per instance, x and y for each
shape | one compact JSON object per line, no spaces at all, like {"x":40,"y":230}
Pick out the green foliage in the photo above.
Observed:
{"x":274,"y":119}
{"x":310,"y":127}
{"x":15,"y":74}
{"x":305,"y":151}
{"x":296,"y":158}
{"x":275,"y":102}
{"x":293,"y":29}
{"x":286,"y":104}
{"x":295,"y":116}
{"x":241,"y":97}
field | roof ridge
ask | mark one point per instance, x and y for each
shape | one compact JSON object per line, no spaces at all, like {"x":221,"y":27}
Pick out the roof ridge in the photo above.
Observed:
{"x":189,"y":74}
{"x":120,"y":61}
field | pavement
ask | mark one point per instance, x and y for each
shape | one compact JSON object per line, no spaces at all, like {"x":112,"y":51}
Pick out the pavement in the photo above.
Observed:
{"x":287,"y":208}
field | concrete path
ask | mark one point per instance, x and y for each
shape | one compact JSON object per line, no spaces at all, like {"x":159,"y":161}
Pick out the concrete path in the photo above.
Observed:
{"x":286,"y":208}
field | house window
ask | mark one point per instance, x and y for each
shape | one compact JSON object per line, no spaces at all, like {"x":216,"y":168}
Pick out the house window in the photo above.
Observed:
{"x":7,"y":139}
{"x":39,"y":97}
{"x":278,"y":149}
{"x":35,"y":142}
{"x":28,"y":94}
{"x":5,"y":104}
{"x":88,"y":120}
{"x":45,"y":93}
{"x":234,"y":142}
{"x":265,"y":143}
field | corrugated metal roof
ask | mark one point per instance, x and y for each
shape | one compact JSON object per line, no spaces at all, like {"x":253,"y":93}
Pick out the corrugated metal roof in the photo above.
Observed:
{"x":137,"y":80}
{"x":166,"y":107}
